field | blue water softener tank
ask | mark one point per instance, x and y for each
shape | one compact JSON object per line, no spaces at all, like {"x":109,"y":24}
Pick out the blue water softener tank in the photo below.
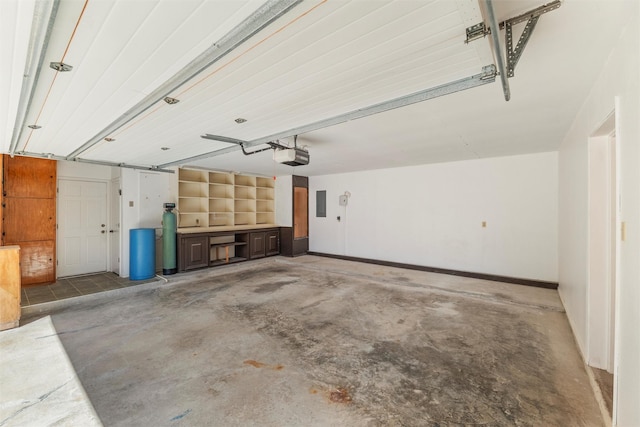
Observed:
{"x":169,"y":229}
{"x":142,"y":253}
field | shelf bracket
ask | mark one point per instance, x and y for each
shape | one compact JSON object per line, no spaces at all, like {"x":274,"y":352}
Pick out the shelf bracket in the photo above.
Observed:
{"x":531,"y":17}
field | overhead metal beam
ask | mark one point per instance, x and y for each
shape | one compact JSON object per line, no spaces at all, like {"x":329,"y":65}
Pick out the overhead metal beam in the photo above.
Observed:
{"x":258,"y":20}
{"x":497,"y":50}
{"x":487,"y":75}
{"x":94,"y":162}
{"x":44,"y":15}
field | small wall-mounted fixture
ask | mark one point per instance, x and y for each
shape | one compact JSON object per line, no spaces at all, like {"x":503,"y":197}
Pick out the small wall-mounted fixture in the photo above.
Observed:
{"x":343,"y":200}
{"x":240,"y":120}
{"x":60,"y":66}
{"x":34,"y":127}
{"x":171,"y":101}
{"x":109,"y":139}
{"x":164,"y":148}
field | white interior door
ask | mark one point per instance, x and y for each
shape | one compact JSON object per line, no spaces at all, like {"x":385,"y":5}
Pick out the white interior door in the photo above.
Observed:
{"x":82,"y":227}
{"x":114,"y":226}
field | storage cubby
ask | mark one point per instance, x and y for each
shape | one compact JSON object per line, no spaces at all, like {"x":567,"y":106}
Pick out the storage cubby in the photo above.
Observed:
{"x":245,"y":180}
{"x":225,"y":249}
{"x":219,"y":199}
{"x":220,"y":219}
{"x":265,"y":182}
{"x":191,"y":219}
{"x":193,"y":175}
{"x":193,"y":205}
{"x":193,"y":189}
{"x":221,"y":191}
{"x":244,"y":218}
{"x":220,"y":178}
{"x":264,"y":193}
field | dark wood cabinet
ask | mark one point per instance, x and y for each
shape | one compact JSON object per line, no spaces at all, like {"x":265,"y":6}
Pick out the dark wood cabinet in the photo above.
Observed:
{"x":224,"y":247}
{"x":29,"y":215}
{"x":194,"y":252}
{"x":257,"y":246}
{"x":28,"y":177}
{"x":272,"y":239}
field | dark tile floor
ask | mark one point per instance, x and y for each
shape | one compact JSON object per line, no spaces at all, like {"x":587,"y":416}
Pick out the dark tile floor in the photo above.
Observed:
{"x":70,"y":287}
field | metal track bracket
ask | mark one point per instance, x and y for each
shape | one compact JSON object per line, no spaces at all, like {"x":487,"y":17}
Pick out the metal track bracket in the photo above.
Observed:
{"x":477,"y":31}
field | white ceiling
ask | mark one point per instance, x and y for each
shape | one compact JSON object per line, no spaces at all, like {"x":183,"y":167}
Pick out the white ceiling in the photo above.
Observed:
{"x":319,"y":60}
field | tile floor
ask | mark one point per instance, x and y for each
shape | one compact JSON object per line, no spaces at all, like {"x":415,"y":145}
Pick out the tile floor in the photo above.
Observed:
{"x":70,"y":287}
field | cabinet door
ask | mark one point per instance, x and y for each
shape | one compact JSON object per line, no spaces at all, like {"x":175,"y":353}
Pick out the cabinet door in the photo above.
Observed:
{"x":273,"y":242}
{"x":28,"y":220}
{"x":257,"y":245}
{"x":194,"y":252}
{"x":29,"y":177}
{"x":36,"y":262}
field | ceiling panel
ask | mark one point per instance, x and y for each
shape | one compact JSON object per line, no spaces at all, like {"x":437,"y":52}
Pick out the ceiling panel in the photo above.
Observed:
{"x":120,"y":52}
{"x":14,"y":38}
{"x":320,"y":60}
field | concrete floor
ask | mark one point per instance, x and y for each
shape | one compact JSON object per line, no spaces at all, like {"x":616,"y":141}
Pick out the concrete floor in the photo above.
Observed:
{"x":319,"y":342}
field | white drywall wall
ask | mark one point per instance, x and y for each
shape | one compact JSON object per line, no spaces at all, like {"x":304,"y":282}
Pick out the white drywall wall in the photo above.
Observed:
{"x":284,"y":201}
{"x":432,"y":215}
{"x":618,"y":87}
{"x":84,"y":171}
{"x":142,"y":196}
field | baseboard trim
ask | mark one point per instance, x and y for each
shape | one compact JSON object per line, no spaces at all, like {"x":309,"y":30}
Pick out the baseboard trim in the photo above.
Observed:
{"x":483,"y":276}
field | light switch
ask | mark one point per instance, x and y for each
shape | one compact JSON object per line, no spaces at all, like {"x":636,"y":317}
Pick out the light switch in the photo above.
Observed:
{"x":484,"y":224}
{"x":130,"y":203}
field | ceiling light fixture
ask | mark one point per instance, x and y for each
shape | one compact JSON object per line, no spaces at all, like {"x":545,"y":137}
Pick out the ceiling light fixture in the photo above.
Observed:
{"x":34,"y":126}
{"x":240,"y":120}
{"x":171,"y":101}
{"x":60,"y":66}
{"x":164,"y":148}
{"x":109,"y":139}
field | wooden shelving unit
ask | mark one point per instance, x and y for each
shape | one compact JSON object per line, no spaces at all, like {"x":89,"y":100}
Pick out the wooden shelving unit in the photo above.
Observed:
{"x":219,"y":199}
{"x":193,"y":198}
{"x":265,"y":203}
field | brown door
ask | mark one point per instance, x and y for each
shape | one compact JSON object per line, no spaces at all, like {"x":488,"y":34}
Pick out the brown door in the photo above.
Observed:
{"x":300,"y":215}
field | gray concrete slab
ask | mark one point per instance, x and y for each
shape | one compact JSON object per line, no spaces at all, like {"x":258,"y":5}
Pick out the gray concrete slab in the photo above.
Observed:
{"x":317,"y":342}
{"x":38,"y":385}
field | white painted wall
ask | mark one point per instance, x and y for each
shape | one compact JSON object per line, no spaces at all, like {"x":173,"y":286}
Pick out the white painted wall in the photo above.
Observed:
{"x":84,"y":171}
{"x":284,"y":201}
{"x":618,"y":87}
{"x":142,"y":195}
{"x":432,"y":215}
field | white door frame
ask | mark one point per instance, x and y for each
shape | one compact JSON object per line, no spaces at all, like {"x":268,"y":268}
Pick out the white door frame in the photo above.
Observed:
{"x":114,"y":249}
{"x":603,"y":245}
